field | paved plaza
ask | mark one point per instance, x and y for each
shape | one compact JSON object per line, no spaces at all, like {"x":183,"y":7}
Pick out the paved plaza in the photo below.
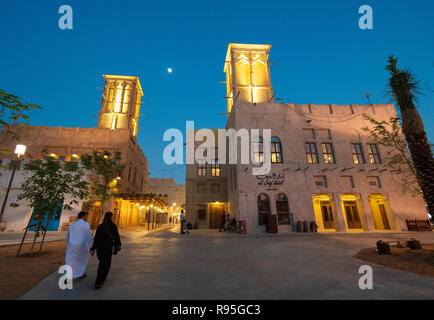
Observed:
{"x":206,"y":264}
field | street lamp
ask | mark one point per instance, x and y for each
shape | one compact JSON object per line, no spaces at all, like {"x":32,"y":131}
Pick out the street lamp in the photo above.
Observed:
{"x":20,"y":149}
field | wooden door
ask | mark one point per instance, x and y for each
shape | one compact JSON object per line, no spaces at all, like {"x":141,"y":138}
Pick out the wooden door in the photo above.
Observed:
{"x":215,"y":214}
{"x":384,"y":216}
{"x":327,"y":215}
{"x":352,"y":213}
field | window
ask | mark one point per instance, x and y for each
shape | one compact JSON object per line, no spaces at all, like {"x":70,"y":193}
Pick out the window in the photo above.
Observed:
{"x":309,"y":133}
{"x":215,"y":168}
{"x":263,"y":208}
{"x":327,"y":151}
{"x":311,"y":154}
{"x":320,"y":181}
{"x":347,"y":181}
{"x":201,"y":169}
{"x":258,"y":151}
{"x":215,"y":188}
{"x":201,"y":188}
{"x":201,"y":214}
{"x":374,"y":182}
{"x":357,"y":153}
{"x":276,"y":150}
{"x":374,"y":154}
{"x":282,"y":209}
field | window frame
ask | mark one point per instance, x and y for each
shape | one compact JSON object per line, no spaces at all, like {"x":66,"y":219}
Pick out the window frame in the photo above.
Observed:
{"x":215,"y":168}
{"x":276,"y":144}
{"x":357,"y":154}
{"x":328,"y":153}
{"x":201,"y":169}
{"x":372,"y":155}
{"x":310,"y":153}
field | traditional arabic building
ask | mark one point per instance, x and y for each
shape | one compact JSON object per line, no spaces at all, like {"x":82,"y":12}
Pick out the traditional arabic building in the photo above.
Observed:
{"x":116,"y":132}
{"x":324,"y":167}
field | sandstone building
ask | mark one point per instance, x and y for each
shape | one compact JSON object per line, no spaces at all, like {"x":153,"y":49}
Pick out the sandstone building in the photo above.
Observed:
{"x":324,"y":168}
{"x":116,"y":131}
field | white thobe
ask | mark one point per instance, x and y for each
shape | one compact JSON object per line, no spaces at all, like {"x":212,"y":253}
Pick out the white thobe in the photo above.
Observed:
{"x":79,"y":241}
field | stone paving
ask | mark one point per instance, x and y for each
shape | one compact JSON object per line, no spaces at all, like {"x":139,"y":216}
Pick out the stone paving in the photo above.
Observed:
{"x":206,"y":264}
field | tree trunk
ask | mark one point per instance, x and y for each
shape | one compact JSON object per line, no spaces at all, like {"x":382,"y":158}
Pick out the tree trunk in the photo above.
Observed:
{"x":420,"y":152}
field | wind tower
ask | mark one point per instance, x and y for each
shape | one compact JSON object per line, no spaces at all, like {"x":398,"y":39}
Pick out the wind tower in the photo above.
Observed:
{"x":120,"y":105}
{"x":248,"y":74}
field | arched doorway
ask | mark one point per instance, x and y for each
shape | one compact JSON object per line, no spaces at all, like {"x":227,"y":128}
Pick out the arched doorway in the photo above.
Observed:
{"x":282,"y":209}
{"x":263,"y":208}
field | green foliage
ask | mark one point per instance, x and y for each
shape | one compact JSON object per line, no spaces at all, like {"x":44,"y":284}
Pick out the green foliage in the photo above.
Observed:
{"x":103,"y":169}
{"x":48,"y":182}
{"x":397,"y":158}
{"x":12,"y":112}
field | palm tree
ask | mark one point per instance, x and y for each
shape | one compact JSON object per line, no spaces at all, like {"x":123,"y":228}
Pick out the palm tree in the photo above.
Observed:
{"x":403,"y":88}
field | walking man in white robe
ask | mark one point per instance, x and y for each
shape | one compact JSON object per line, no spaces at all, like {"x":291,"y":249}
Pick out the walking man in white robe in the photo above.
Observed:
{"x":79,"y":242}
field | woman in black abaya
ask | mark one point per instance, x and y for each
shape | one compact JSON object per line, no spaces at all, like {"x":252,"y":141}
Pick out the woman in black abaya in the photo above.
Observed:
{"x":106,"y":243}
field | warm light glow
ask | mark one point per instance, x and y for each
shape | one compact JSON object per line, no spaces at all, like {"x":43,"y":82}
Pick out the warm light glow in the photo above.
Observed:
{"x":53,"y":155}
{"x":137,"y":204}
{"x":105,"y":156}
{"x":20,"y":149}
{"x":118,"y":178}
{"x":151,"y":205}
{"x":174,"y":203}
{"x":75,"y":155}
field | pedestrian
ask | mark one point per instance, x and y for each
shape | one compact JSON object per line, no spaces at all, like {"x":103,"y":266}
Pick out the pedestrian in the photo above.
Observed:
{"x":182,"y":220}
{"x":222,"y":222}
{"x":170,"y":220}
{"x":228,"y":220}
{"x":106,"y":243}
{"x":78,"y":240}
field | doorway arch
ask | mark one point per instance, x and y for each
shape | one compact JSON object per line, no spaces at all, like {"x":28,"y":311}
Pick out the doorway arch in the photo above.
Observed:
{"x":282,"y":208}
{"x":264,"y":209}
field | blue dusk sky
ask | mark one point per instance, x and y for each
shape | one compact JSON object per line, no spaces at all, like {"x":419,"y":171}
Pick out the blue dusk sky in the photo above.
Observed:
{"x":323,"y":57}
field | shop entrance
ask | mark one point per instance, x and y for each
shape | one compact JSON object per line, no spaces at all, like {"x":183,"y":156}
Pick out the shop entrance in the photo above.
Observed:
{"x":216,"y":211}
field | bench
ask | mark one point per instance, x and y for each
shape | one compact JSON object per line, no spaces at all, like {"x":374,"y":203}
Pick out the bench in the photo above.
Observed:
{"x":419,"y":225}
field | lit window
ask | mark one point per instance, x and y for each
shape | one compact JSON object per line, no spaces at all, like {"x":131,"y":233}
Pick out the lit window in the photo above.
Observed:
{"x":258,"y":152}
{"x":311,"y":154}
{"x":201,"y":168}
{"x":327,"y":151}
{"x":374,"y":154}
{"x":357,"y":153}
{"x":276,"y":150}
{"x":215,"y":168}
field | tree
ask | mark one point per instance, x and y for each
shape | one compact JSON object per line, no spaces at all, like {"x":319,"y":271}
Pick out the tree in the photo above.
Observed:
{"x":12,"y":112}
{"x":397,"y":158}
{"x":46,"y":184}
{"x":103,"y":174}
{"x":403,"y":87}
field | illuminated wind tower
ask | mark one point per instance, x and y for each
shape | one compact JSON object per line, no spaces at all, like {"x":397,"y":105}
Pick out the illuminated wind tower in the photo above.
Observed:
{"x":120,"y":105}
{"x":248,"y":74}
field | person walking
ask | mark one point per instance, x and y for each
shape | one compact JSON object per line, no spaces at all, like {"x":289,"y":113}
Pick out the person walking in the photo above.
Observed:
{"x":170,"y":220}
{"x":222,"y":222}
{"x":106,"y":243}
{"x":78,"y":240}
{"x":182,"y":220}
